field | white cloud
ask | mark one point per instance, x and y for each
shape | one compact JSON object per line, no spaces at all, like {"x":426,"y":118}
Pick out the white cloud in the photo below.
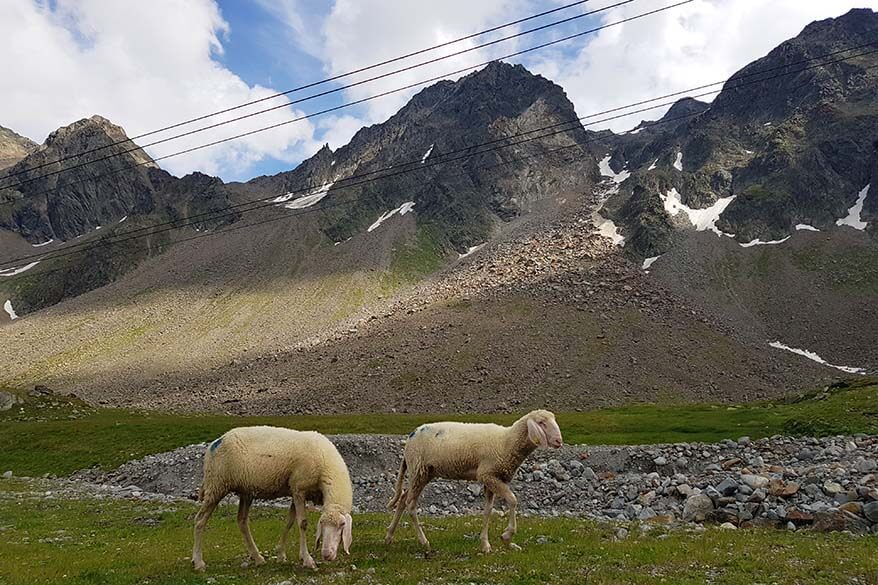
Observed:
{"x":684,"y":47}
{"x":143,"y":65}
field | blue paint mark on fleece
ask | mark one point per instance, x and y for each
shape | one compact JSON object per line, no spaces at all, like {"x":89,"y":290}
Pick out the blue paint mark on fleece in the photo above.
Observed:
{"x":215,"y":444}
{"x":412,"y":434}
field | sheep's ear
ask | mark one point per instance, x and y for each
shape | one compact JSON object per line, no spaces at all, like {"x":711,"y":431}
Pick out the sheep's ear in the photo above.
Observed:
{"x":536,"y":434}
{"x":347,"y":533}
{"x":319,"y":532}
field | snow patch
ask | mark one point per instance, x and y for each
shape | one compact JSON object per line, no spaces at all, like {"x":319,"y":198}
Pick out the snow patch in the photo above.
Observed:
{"x":854,"y":219}
{"x":767,"y":124}
{"x":607,"y":171}
{"x":427,"y":154}
{"x":124,"y":219}
{"x":758,"y":242}
{"x":43,"y":244}
{"x":610,"y":230}
{"x":805,"y":227}
{"x":306,"y":200}
{"x":402,"y":210}
{"x":14,"y":271}
{"x":471,"y":251}
{"x":647,"y":264}
{"x":7,"y":306}
{"x":678,"y":164}
{"x":748,"y":151}
{"x":702,"y":219}
{"x":816,"y":358}
{"x":653,"y":166}
{"x":635,"y":131}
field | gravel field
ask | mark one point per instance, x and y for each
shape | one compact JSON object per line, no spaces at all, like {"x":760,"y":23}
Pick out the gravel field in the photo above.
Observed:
{"x":792,"y":483}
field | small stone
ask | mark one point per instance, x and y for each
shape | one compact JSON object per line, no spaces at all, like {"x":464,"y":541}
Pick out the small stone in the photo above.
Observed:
{"x":791,"y":526}
{"x":475,"y":489}
{"x":839,"y":521}
{"x":755,"y":481}
{"x":781,"y":489}
{"x":744,"y":441}
{"x":589,"y":474}
{"x":646,"y":514}
{"x":622,"y":533}
{"x":870,"y":511}
{"x":866,"y":465}
{"x":805,"y":455}
{"x":697,"y":507}
{"x":727,"y":487}
{"x":685,"y":490}
{"x":660,"y":461}
{"x":831,"y":488}
{"x":799,"y":517}
{"x":728,"y":526}
{"x":7,"y":401}
{"x":7,"y":475}
{"x":852,"y":507}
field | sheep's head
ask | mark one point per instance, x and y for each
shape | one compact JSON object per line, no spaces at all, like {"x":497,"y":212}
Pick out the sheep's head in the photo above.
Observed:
{"x":334,"y":526}
{"x":542,"y":429}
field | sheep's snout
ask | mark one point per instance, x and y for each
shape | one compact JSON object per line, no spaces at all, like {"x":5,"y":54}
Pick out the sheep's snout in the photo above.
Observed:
{"x":331,"y":536}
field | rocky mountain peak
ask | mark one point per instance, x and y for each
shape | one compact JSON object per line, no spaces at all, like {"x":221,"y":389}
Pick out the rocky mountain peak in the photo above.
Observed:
{"x":91,"y":133}
{"x":685,"y":107}
{"x":14,"y":147}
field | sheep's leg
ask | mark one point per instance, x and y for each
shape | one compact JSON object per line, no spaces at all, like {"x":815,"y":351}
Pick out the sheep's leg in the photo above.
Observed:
{"x":208,"y":505}
{"x":418,"y":485}
{"x":302,"y":521}
{"x":397,"y":514}
{"x":244,"y":503}
{"x":489,"y":506}
{"x":502,"y":490}
{"x":282,"y":545}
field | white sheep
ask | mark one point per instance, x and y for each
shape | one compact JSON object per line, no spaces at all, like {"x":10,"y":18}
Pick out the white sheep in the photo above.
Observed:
{"x":269,"y":463}
{"x":487,"y":453}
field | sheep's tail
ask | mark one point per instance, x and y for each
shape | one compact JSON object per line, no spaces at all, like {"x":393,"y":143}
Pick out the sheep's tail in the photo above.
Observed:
{"x":397,"y":494}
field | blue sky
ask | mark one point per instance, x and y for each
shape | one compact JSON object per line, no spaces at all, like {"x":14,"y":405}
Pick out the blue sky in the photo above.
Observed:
{"x":144,"y":65}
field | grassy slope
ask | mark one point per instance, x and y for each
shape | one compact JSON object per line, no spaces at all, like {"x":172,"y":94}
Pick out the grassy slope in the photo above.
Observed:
{"x":114,"y":543}
{"x":44,"y":438}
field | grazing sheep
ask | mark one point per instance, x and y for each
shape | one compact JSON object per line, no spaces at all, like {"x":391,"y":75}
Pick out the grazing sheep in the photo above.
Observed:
{"x":484,"y":452}
{"x":269,"y":463}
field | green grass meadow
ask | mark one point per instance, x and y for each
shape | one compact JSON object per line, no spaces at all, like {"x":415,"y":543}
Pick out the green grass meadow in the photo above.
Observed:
{"x":113,"y":542}
{"x":120,"y":543}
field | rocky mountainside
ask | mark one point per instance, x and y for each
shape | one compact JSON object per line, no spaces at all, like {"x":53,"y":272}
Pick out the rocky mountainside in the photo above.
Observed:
{"x":102,"y":199}
{"x":463,"y":201}
{"x":764,"y":157}
{"x":13,"y":148}
{"x":631,"y":267}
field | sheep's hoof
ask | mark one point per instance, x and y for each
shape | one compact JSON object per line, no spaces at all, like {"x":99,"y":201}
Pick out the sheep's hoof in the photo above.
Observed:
{"x":388,"y":538}
{"x":486,"y":547}
{"x":259,"y":561}
{"x":199,"y":566}
{"x":281,"y":557}
{"x":309,"y":563}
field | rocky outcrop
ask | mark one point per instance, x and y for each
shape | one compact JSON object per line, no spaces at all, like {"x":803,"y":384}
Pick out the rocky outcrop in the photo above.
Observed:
{"x":792,"y":150}
{"x":463,"y":199}
{"x":63,"y":206}
{"x":13,"y":148}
